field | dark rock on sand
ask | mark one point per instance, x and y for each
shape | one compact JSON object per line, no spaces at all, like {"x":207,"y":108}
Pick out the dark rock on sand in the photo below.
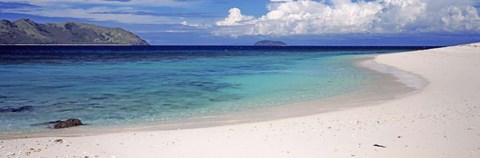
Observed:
{"x":380,"y":146}
{"x":67,"y":123}
{"x":58,"y":141}
{"x":19,"y":109}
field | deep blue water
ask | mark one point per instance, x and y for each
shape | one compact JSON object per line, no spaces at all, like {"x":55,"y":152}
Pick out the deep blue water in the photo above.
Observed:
{"x":105,"y":85}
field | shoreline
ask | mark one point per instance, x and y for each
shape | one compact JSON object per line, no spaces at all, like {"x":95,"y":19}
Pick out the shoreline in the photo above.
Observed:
{"x":365,"y":96}
{"x":441,"y":120}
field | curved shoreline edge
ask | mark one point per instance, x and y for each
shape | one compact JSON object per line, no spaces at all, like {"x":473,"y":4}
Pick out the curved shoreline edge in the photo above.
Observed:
{"x":382,"y":75}
{"x":407,"y":78}
{"x":440,"y":121}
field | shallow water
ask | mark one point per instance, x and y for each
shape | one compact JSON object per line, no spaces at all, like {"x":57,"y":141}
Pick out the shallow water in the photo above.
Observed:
{"x":127,"y":86}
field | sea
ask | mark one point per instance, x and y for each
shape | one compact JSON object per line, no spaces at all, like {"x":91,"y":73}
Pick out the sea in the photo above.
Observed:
{"x":131,"y":85}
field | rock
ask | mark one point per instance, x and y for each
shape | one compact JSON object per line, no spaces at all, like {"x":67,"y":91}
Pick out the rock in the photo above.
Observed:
{"x":58,"y":141}
{"x":19,"y":109}
{"x":270,"y":43}
{"x":378,"y":145}
{"x":26,"y":31}
{"x":53,"y":122}
{"x":67,"y":123}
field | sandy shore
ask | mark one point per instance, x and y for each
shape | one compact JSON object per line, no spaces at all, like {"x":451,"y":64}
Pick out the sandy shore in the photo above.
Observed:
{"x":442,"y":120}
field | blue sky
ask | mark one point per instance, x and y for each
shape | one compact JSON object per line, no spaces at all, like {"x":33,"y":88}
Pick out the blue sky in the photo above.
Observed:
{"x":243,"y":22}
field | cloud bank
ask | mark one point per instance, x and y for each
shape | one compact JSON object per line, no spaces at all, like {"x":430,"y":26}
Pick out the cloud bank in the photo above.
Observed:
{"x":122,"y":11}
{"x":309,"y":17}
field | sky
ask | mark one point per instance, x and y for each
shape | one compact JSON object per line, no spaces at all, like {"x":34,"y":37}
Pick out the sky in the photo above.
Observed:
{"x":243,"y":22}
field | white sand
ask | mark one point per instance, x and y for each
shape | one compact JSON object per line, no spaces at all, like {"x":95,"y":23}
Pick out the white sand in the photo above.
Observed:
{"x":442,"y":120}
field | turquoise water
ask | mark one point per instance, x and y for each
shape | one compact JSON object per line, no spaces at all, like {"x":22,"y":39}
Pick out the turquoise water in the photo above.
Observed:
{"x":150,"y":87}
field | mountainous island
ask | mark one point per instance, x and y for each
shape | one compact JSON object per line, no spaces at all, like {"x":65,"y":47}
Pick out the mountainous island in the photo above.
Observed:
{"x":270,"y":43}
{"x":26,"y":31}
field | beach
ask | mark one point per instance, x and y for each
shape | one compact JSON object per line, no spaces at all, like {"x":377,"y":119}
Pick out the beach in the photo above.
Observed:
{"x":441,"y":119}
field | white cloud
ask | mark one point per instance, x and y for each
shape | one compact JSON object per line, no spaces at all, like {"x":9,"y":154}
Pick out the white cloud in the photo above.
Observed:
{"x":396,"y":15}
{"x":195,"y":25}
{"x":460,"y":18}
{"x":300,"y":17}
{"x":235,"y":17}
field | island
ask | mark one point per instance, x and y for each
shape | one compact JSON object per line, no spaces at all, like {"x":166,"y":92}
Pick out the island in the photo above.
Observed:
{"x":26,"y":31}
{"x":270,"y":43}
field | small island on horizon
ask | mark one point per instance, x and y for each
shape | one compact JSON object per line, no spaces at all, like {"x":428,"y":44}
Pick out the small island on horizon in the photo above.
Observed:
{"x":270,"y":43}
{"x":26,"y":31}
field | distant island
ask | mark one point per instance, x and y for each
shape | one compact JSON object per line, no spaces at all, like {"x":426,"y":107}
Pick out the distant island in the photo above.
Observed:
{"x":270,"y":43}
{"x":26,"y":31}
